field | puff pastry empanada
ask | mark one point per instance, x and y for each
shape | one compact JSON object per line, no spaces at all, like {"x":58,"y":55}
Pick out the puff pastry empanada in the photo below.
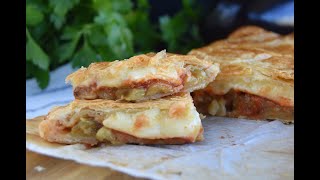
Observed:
{"x":256,"y":79}
{"x":142,"y":77}
{"x":171,"y":120}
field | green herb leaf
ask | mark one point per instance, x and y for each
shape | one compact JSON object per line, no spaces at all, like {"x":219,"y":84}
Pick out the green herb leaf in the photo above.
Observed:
{"x":60,"y":9}
{"x":36,"y":54}
{"x":42,"y":76}
{"x":70,"y":32}
{"x":39,"y":31}
{"x":121,"y":6}
{"x":97,"y":37}
{"x":119,"y":36}
{"x":190,"y":9}
{"x":66,"y":50}
{"x":33,"y":15}
{"x":121,"y":41}
{"x":110,"y":18}
{"x":180,"y":32}
{"x":144,"y":32}
{"x":106,"y":54}
{"x":143,"y":5}
{"x":85,"y":56}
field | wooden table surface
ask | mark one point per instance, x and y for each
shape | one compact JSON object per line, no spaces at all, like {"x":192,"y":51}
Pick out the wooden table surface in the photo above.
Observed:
{"x":67,"y":169}
{"x":61,"y":169}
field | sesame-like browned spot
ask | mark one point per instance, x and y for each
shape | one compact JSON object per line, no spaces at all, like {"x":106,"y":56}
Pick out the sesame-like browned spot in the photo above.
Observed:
{"x":141,"y":121}
{"x":177,"y":110}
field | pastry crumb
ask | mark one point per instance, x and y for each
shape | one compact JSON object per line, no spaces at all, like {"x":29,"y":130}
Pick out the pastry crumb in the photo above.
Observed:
{"x":202,"y":116}
{"x":39,"y":168}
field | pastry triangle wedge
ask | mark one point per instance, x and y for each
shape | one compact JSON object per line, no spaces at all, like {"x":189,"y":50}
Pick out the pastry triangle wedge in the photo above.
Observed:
{"x":142,"y":77}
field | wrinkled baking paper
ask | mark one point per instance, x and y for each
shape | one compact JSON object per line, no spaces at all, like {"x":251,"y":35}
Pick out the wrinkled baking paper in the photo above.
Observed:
{"x":232,"y":149}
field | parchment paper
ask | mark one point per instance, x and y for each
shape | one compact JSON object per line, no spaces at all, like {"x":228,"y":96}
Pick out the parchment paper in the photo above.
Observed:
{"x":232,"y":149}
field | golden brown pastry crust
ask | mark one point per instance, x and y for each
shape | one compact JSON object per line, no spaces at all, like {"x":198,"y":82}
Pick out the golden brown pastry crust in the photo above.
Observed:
{"x":253,"y":61}
{"x":170,"y":120}
{"x":142,"y":77}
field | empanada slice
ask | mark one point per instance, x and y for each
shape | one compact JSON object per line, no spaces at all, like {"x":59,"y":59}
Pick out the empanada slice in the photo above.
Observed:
{"x":171,"y":120}
{"x":256,"y":79}
{"x":142,"y":77}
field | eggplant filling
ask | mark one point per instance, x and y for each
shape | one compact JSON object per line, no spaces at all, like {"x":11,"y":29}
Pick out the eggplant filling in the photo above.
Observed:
{"x":241,"y":105}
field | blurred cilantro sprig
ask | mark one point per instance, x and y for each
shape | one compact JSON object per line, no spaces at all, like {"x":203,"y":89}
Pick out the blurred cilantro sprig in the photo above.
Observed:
{"x":86,"y":31}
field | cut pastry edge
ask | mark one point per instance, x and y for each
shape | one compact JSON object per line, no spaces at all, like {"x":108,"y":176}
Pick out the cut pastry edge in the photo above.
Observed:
{"x":187,"y":73}
{"x":179,"y":123}
{"x":114,"y":137}
{"x":239,"y":104}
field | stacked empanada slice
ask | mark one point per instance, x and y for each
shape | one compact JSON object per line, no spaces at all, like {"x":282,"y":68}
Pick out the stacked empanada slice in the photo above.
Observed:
{"x":142,"y":100}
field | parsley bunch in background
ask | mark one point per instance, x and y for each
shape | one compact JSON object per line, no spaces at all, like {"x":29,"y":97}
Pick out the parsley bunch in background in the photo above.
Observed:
{"x":86,"y":31}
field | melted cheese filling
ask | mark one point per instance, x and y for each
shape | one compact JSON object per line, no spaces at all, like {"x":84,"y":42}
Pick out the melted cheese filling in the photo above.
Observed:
{"x":155,"y":124}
